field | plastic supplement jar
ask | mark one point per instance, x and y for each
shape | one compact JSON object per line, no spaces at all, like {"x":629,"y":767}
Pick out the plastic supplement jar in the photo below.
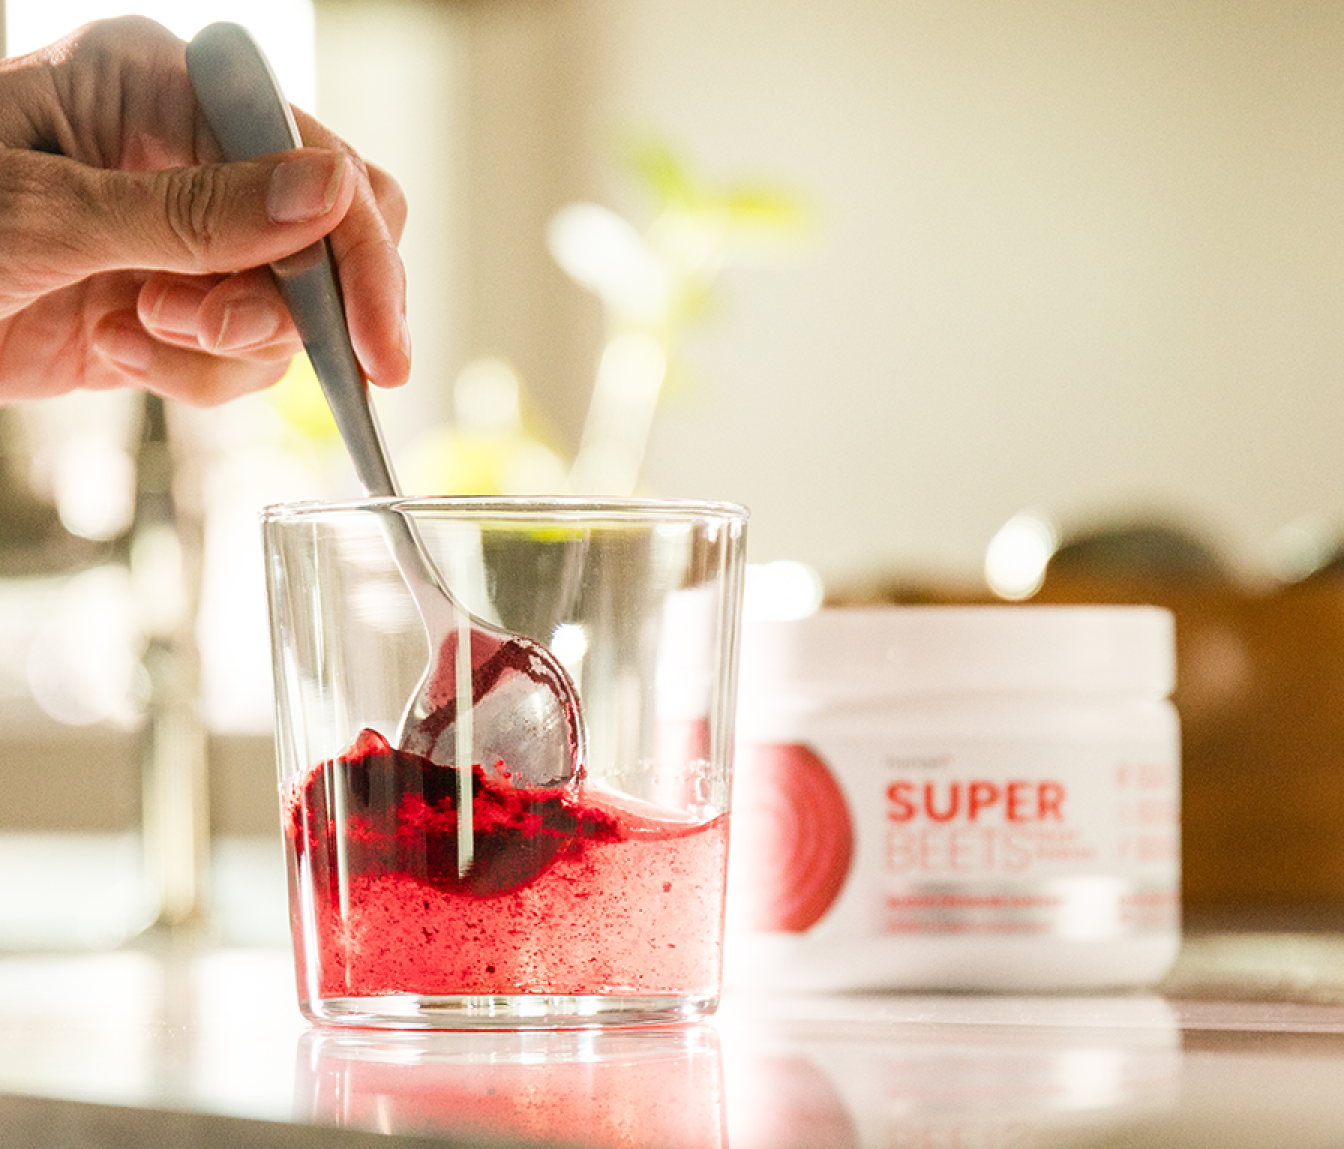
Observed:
{"x":970,"y":798}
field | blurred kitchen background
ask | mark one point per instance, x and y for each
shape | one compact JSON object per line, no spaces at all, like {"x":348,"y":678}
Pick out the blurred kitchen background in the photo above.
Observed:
{"x":965,"y":299}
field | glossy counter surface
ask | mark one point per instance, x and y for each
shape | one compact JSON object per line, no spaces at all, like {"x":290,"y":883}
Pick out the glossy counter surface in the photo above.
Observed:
{"x":198,"y":1047}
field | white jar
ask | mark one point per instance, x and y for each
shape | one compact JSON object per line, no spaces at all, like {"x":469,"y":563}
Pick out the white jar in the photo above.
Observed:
{"x":970,"y":798}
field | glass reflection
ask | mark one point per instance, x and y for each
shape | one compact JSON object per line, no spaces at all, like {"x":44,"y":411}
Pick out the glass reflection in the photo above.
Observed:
{"x":607,"y":1089}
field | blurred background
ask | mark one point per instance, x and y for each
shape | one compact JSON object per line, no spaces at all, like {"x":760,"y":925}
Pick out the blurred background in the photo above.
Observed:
{"x":965,"y":299}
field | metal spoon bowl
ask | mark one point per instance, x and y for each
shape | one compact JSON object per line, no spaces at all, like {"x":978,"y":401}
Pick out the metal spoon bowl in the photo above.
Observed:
{"x":487,"y":696}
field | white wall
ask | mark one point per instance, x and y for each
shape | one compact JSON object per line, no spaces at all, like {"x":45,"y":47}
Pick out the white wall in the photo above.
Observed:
{"x":1074,"y":255}
{"x":392,"y":79}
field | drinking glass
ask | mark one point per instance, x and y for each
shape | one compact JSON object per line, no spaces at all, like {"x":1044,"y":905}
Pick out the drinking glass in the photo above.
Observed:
{"x":595,"y":902}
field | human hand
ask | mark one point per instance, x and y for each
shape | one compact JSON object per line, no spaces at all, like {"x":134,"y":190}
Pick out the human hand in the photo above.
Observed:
{"x":133,"y":256}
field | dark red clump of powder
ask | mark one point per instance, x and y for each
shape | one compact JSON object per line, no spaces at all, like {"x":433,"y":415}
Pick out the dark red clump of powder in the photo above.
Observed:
{"x":400,"y":813}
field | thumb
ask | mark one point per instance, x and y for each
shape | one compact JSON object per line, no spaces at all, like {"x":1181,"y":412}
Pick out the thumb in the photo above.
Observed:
{"x":61,"y":221}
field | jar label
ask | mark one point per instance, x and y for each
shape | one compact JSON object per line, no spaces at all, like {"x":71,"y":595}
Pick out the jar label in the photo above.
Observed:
{"x":860,"y":838}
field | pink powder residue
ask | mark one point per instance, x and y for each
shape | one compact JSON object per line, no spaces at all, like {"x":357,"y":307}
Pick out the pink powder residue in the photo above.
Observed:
{"x":568,"y":892}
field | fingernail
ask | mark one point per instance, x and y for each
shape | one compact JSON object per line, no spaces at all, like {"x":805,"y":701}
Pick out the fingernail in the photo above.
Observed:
{"x":405,"y":339}
{"x":127,"y":346}
{"x":246,"y":323}
{"x":177,"y":309}
{"x":305,"y":188}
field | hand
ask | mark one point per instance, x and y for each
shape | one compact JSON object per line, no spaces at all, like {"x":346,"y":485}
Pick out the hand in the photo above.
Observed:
{"x":133,"y":256}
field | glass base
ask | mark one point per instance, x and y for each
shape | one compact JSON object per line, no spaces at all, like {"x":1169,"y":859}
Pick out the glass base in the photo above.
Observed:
{"x":523,"y":1011}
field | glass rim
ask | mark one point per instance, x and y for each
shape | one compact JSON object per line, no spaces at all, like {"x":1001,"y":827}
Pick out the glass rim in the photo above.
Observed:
{"x":553,"y":508}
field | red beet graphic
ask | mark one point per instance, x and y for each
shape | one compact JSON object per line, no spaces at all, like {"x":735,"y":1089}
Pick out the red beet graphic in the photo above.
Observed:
{"x":792,"y":835}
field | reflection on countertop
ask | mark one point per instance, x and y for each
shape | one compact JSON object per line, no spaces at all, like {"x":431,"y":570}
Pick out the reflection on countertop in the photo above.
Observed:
{"x":889,"y":1071}
{"x":611,"y":1089}
{"x":160,"y":1032}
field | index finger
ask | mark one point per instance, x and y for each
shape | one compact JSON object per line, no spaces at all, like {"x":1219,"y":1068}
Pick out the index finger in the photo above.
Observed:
{"x":371,"y":273}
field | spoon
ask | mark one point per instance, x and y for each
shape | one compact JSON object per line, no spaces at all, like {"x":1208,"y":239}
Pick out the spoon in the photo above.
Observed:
{"x":487,"y":696}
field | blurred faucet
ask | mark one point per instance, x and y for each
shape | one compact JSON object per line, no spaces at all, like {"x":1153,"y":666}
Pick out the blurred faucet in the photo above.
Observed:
{"x":165,"y":558}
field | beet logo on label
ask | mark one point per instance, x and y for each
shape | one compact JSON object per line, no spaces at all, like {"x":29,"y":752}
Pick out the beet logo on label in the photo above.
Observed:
{"x":792,"y":837}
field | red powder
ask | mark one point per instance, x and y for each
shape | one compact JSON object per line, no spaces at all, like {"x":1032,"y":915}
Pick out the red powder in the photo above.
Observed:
{"x":569,"y":892}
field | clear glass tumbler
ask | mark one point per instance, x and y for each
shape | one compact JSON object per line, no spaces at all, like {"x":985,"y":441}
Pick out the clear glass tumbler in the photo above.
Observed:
{"x":597,"y":902}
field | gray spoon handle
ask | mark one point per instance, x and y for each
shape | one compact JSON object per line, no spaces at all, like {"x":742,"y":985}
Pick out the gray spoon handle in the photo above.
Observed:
{"x":250,"y":117}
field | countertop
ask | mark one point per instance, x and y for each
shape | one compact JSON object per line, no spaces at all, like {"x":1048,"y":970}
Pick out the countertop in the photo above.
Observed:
{"x":158,"y":1044}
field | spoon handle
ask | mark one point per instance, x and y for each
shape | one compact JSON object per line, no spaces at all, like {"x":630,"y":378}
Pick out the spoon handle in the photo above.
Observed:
{"x":250,"y":117}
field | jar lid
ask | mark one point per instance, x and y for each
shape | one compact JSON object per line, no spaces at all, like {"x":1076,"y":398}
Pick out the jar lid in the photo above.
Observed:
{"x":867,"y":651}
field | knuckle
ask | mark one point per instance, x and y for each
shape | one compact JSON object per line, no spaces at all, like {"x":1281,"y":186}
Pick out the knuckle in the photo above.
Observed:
{"x":392,"y":203}
{"x":109,"y":47}
{"x":196,"y":203}
{"x":114,"y":35}
{"x":387,"y":194}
